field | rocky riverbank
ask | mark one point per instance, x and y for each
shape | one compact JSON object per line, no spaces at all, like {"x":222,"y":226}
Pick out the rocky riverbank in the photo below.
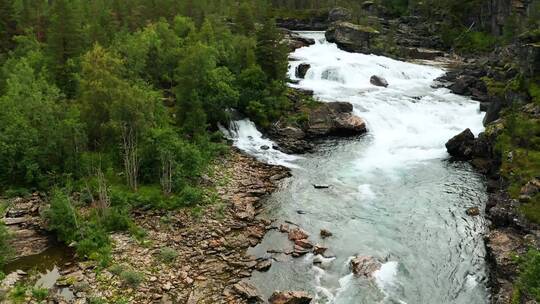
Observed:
{"x":188,"y":256}
{"x":496,"y":81}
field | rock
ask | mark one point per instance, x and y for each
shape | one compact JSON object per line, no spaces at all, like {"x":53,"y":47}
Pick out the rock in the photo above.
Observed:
{"x":248,"y":291}
{"x":325,"y":233}
{"x":473,"y":211}
{"x":321,"y":186}
{"x":319,"y":249}
{"x":461,"y":145}
{"x":351,"y":37}
{"x":378,"y":81}
{"x":349,"y":123}
{"x":339,"y":14}
{"x":529,"y":190}
{"x":290,"y":297}
{"x":299,"y":251}
{"x":304,"y":243}
{"x":265,"y":147}
{"x":502,"y":246}
{"x":264,"y":265}
{"x":334,"y":118}
{"x":421,"y":53}
{"x":297,"y":234}
{"x":302,"y":69}
{"x":284,"y":228}
{"x":295,"y":41}
{"x":365,"y":266}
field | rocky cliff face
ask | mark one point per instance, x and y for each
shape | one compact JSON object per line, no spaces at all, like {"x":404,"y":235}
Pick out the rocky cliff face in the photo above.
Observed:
{"x":494,"y":13}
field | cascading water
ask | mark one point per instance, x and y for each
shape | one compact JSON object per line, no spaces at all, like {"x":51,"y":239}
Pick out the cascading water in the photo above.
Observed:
{"x":246,"y":137}
{"x":394,"y":195}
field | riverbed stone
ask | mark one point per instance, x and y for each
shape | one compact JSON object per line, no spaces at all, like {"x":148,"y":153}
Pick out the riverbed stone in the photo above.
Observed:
{"x":365,"y":266}
{"x":290,"y":297}
{"x":297,"y":234}
{"x":378,"y":81}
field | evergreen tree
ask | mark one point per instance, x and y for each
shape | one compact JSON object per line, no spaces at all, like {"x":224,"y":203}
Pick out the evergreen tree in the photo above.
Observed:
{"x":65,"y":41}
{"x":271,"y":52}
{"x":244,"y":19}
{"x":8,"y":25}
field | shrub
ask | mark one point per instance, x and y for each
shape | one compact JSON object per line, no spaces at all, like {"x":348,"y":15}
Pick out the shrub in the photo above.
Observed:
{"x":63,"y":218}
{"x":18,"y":293}
{"x":529,"y":275}
{"x":94,"y":243}
{"x":5,"y":249}
{"x":168,"y":255}
{"x":40,"y":294}
{"x":117,"y":269}
{"x":116,"y":219}
{"x":131,"y":278}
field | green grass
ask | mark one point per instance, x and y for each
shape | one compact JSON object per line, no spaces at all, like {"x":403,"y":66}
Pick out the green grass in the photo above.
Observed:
{"x":40,"y":294}
{"x":528,"y":282}
{"x":131,"y":278}
{"x":167,"y":255}
{"x":18,"y":293}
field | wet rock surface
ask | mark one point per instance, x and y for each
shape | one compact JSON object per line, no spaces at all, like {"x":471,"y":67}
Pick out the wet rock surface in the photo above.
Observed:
{"x":351,"y":37}
{"x":25,"y":224}
{"x":322,"y":120}
{"x":302,"y":70}
{"x":294,"y":40}
{"x":378,"y":81}
{"x":290,"y":297}
{"x":365,"y":266}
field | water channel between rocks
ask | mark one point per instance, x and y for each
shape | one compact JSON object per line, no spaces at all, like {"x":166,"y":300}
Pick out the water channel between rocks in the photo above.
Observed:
{"x":393,"y":193}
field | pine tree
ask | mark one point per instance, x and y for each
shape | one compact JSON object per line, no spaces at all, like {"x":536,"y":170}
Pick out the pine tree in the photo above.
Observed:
{"x":65,"y":41}
{"x":244,"y":19}
{"x":271,"y":52}
{"x":8,"y":25}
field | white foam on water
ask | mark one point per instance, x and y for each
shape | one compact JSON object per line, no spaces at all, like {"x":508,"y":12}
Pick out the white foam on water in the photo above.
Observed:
{"x":247,"y":138}
{"x":385,"y":277}
{"x":365,"y":192}
{"x":408,"y":122}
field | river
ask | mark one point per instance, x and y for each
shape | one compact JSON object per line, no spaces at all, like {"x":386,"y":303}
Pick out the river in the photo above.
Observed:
{"x":394,"y":194}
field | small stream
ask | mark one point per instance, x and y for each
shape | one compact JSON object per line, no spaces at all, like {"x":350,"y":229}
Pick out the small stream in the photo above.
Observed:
{"x":393,"y":193}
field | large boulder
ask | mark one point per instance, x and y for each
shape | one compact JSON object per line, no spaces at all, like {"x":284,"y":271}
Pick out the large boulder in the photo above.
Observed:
{"x":378,"y":81}
{"x":365,"y":266}
{"x":295,"y":41}
{"x":351,"y":37}
{"x":302,"y":69}
{"x":290,"y":297}
{"x":339,"y":14}
{"x":421,"y":53}
{"x":248,"y":292}
{"x":462,"y":145}
{"x":334,"y":118}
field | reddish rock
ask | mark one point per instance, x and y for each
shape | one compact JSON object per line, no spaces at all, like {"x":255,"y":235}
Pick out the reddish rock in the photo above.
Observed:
{"x":319,"y":249}
{"x":304,"y":243}
{"x":290,"y":297}
{"x":365,"y":266}
{"x":297,"y":234}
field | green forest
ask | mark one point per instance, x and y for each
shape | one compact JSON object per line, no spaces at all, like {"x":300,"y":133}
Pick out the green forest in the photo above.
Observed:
{"x":119,"y":101}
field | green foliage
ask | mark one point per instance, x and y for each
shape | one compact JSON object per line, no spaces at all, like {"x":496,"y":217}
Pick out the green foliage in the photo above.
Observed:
{"x":529,"y":275}
{"x":5,"y":249}
{"x":63,"y":218}
{"x":18,"y":293}
{"x":40,"y":294}
{"x":167,"y":255}
{"x":131,"y":278}
{"x":470,"y":42}
{"x":271,"y":52}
